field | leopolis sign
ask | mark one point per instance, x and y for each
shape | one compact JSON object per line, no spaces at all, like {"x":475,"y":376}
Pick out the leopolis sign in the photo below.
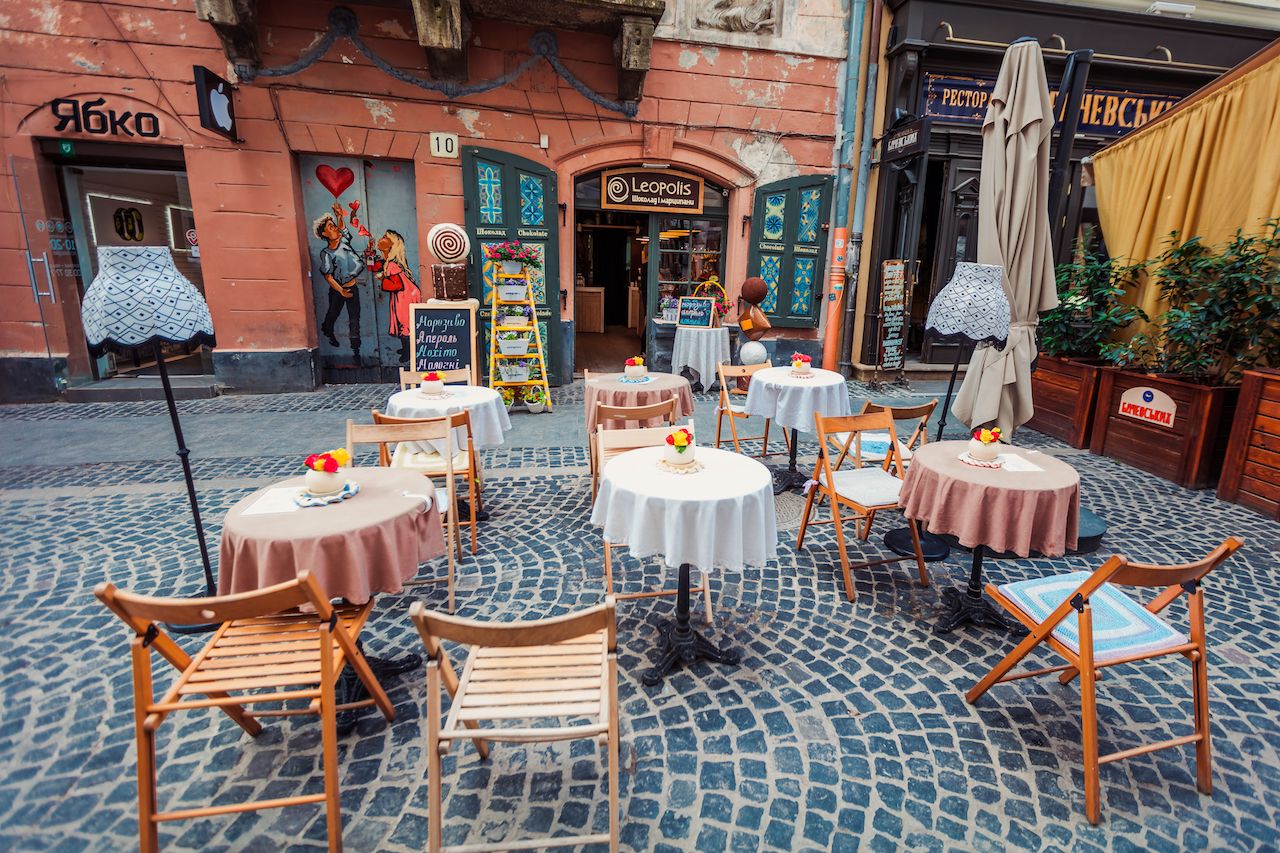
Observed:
{"x":651,"y":191}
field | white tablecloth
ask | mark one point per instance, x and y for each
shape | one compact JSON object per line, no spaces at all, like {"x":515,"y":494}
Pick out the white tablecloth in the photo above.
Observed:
{"x":791,"y":401}
{"x":720,"y":517}
{"x":488,"y":414}
{"x":702,"y":350}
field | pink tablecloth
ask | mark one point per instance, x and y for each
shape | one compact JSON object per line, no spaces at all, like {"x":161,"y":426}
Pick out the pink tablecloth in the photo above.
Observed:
{"x":367,"y":544}
{"x":608,"y":388}
{"x":1001,"y":508}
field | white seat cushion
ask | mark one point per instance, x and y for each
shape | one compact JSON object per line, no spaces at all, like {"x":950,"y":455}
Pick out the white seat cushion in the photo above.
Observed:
{"x":427,"y":463}
{"x":442,"y":501}
{"x":875,"y":446}
{"x":866,"y":486}
{"x":1121,"y":626}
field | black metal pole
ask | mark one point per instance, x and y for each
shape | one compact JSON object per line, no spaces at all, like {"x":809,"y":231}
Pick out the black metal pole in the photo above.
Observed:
{"x":946,"y":406}
{"x":974,"y":590}
{"x":183,"y":454}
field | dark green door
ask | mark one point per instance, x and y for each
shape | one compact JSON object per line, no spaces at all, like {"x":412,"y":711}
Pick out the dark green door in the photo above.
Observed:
{"x":511,"y":198}
{"x":789,"y":247}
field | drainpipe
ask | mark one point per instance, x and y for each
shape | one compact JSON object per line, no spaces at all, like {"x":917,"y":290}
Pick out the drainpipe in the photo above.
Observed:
{"x":840,"y":229}
{"x":864,"y":176}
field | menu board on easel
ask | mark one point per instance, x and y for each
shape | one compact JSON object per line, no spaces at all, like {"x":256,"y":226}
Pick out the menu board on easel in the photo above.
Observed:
{"x":893,"y":315}
{"x":444,"y":336}
{"x":696,"y":311}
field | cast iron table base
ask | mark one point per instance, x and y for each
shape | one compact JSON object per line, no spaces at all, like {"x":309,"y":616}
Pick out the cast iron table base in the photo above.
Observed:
{"x":351,"y":689}
{"x":682,"y":644}
{"x":969,"y":605}
{"x":789,"y":478}
{"x":932,"y":548}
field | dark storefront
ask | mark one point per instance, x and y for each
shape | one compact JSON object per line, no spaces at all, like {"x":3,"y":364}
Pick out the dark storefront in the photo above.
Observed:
{"x":942,"y":60}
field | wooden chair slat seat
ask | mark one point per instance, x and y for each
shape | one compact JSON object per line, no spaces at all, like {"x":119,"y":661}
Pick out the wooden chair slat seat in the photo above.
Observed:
{"x":735,"y":411}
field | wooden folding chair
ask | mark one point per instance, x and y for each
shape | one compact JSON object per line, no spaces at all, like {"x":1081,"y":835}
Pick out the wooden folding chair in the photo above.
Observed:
{"x":865,"y":490}
{"x":612,"y":443}
{"x":565,"y":666}
{"x":1111,"y":628}
{"x":432,"y":429}
{"x":466,"y":462}
{"x":619,"y":417}
{"x":737,"y":411}
{"x":262,"y":644}
{"x":873,"y":443}
{"x":413,"y":378}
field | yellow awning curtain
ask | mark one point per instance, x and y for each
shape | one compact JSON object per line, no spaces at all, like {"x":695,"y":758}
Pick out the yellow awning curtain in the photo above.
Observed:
{"x":1205,"y":168}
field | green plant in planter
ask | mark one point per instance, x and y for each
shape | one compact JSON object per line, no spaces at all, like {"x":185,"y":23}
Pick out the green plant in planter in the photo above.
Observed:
{"x":1089,"y":309}
{"x":1224,"y":310}
{"x":534,"y":395}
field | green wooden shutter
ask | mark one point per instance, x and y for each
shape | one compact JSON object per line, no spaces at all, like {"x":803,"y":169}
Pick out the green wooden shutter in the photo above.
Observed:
{"x":789,"y":247}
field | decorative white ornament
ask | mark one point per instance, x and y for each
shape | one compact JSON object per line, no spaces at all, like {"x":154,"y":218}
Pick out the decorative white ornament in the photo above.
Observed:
{"x":448,"y":242}
{"x":753,"y":352}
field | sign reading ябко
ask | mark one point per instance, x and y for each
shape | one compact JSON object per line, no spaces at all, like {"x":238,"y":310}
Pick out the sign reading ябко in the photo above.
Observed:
{"x":651,"y":190}
{"x":1150,"y":405}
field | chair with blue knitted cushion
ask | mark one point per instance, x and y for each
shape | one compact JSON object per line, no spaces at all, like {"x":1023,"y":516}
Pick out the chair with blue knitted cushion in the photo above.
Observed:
{"x":864,"y":489}
{"x":1088,"y":620}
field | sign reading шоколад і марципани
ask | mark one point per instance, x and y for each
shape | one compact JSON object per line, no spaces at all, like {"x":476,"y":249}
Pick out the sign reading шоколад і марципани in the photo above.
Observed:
{"x":651,"y":190}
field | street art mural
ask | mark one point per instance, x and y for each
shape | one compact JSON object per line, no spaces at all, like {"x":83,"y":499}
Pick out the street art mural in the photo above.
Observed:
{"x":364,"y":264}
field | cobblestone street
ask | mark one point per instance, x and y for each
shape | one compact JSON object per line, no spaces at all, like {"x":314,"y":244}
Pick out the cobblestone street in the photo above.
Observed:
{"x":845,"y":726}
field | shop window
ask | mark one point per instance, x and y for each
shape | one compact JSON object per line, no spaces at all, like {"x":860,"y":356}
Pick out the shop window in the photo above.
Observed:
{"x":691,"y":251}
{"x":789,"y":247}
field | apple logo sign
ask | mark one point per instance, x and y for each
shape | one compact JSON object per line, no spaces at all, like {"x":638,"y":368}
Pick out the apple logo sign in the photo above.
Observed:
{"x":221,"y":106}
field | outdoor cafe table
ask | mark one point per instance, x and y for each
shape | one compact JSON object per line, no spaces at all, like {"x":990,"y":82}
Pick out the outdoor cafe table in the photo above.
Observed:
{"x":1032,"y":503}
{"x":615,"y":389}
{"x":792,"y":401}
{"x":721,"y":516}
{"x":701,"y":350}
{"x":489,"y":418}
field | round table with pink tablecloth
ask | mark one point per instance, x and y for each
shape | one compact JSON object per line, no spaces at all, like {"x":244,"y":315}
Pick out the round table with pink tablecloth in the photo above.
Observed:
{"x":615,"y":389}
{"x":1030,"y":503}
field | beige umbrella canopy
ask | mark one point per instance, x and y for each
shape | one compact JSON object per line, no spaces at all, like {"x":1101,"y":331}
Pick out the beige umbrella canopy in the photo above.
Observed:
{"x":1013,"y":233}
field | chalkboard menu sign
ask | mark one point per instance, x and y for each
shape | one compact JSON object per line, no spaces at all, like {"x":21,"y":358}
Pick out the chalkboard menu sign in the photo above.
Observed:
{"x":444,"y":336}
{"x":696,"y":311}
{"x":893,"y":315}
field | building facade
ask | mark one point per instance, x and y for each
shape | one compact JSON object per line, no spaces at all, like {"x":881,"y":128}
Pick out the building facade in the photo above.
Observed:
{"x":384,"y":119}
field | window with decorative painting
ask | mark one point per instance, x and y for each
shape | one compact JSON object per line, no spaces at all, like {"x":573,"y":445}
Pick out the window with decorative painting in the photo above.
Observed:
{"x":789,"y":247}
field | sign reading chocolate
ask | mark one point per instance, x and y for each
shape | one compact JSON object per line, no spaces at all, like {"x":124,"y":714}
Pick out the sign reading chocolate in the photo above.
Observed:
{"x":1106,"y":112}
{"x":1150,"y":405}
{"x":651,"y":190}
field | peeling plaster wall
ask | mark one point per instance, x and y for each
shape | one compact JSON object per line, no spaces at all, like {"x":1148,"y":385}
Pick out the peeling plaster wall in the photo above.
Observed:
{"x":803,"y":27}
{"x":743,"y":113}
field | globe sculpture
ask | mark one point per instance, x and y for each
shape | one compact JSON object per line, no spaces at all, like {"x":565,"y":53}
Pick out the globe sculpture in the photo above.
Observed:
{"x":753,"y":352}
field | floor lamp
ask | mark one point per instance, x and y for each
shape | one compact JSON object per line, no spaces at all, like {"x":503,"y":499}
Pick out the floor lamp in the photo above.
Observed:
{"x":972,"y":309}
{"x":139,"y":300}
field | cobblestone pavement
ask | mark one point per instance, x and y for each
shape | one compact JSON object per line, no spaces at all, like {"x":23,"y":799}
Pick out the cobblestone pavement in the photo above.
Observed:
{"x":844,"y":727}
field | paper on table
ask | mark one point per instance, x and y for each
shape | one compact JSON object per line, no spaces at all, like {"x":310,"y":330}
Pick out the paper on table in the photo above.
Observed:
{"x":1014,"y":462}
{"x":279,"y":499}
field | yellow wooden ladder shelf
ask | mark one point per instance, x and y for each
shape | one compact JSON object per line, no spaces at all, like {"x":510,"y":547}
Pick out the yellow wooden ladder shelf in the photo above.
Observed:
{"x":535,"y":352}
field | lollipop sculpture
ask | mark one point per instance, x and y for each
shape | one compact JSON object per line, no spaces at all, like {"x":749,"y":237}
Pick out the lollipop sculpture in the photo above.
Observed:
{"x":451,"y":246}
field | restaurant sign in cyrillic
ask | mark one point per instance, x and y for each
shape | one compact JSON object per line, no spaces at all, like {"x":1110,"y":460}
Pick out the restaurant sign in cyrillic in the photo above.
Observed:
{"x":651,"y":190}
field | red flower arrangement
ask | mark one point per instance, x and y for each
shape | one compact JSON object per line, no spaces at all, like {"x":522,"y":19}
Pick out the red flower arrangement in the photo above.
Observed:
{"x":801,"y":358}
{"x":328,"y":462}
{"x":680,"y":439}
{"x":987,"y":436}
{"x":635,"y":361}
{"x":432,"y":377}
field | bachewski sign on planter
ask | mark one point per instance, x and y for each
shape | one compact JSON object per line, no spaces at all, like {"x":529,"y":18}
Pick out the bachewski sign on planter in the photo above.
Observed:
{"x":1150,"y":405}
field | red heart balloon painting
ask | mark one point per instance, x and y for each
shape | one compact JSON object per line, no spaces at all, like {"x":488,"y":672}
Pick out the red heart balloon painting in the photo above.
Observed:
{"x":335,"y":180}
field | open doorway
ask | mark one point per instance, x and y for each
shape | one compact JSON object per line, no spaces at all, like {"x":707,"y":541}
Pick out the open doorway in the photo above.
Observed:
{"x":611,"y":264}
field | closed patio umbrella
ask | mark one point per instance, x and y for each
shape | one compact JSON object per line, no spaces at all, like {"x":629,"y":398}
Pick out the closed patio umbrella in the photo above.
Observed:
{"x":1013,"y":233}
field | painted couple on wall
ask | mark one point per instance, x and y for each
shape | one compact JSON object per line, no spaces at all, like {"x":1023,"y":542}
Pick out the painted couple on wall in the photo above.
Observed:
{"x":341,"y":266}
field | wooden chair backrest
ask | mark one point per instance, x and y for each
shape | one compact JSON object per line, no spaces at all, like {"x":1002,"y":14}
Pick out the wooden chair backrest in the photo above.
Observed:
{"x":413,"y":378}
{"x":736,"y":371}
{"x":622,"y":440}
{"x":665,"y":410}
{"x":435,"y":627}
{"x":140,"y":612}
{"x":906,"y":413}
{"x":431,"y":429}
{"x":853,"y":426}
{"x":1145,"y":574}
{"x":457,"y":420}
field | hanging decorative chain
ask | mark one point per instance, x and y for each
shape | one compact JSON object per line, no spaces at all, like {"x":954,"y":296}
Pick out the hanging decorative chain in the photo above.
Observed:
{"x":343,"y":24}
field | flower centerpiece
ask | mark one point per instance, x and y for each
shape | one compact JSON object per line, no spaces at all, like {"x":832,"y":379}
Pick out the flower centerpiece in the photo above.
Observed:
{"x":324,"y":471}
{"x":515,"y":370}
{"x":508,"y":397}
{"x":801,"y":363}
{"x":518,"y":316}
{"x":679,"y":447}
{"x":634,"y":367}
{"x":511,"y":342}
{"x":985,"y":444}
{"x":432,"y":383}
{"x":535,"y":399}
{"x":670,"y":308}
{"x":514,"y":257}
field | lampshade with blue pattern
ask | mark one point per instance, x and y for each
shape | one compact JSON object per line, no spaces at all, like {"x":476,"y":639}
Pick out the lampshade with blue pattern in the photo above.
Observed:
{"x":139,"y":298}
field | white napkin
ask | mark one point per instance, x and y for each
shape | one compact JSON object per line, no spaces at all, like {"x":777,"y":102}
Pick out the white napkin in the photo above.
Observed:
{"x":1014,"y":462}
{"x":279,"y":499}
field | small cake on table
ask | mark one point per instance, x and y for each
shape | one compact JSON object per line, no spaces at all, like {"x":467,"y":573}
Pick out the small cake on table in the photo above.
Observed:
{"x":801,"y":364}
{"x":432,"y":384}
{"x":635,"y":368}
{"x":679,"y":448}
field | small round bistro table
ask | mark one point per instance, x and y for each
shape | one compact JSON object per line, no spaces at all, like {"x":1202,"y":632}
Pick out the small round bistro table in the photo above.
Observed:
{"x":701,"y":350}
{"x":721,"y":516}
{"x":611,"y":390}
{"x":792,"y":401}
{"x":1031,"y":503}
{"x":489,"y":418}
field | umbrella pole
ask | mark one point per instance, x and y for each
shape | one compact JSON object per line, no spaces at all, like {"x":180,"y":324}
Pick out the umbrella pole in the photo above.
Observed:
{"x":183,"y":454}
{"x":951,"y":386}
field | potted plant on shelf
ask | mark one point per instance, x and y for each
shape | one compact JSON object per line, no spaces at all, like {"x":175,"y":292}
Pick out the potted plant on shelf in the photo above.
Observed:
{"x":513,"y":257}
{"x":535,"y":399}
{"x":1167,"y":405}
{"x":515,"y":371}
{"x":1064,"y":384}
{"x":517,"y":316}
{"x":511,"y":342}
{"x":670,"y":308}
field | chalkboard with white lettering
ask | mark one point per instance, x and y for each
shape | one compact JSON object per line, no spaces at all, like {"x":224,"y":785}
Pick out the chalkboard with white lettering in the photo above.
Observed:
{"x":444,"y":336}
{"x":697,"y":311}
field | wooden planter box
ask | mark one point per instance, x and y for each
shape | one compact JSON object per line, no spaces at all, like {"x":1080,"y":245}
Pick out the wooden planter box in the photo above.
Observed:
{"x":1251,"y":470}
{"x":1189,"y":452}
{"x":1064,"y":392}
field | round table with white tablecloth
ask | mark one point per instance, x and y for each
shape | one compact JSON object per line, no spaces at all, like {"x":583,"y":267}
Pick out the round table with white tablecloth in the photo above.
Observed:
{"x":488,"y":413}
{"x":792,"y":400}
{"x":701,"y":350}
{"x":720,"y":516}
